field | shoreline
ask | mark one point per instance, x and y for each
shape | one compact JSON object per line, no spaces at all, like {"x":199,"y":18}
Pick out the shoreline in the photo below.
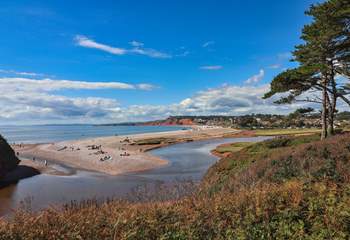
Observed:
{"x":113,"y":155}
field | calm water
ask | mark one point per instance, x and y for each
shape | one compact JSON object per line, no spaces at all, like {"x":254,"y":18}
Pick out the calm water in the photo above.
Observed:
{"x":55,"y":133}
{"x":187,"y":161}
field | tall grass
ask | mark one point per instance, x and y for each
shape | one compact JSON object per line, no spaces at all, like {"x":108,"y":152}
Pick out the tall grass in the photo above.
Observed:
{"x":287,"y":190}
{"x":292,"y":210}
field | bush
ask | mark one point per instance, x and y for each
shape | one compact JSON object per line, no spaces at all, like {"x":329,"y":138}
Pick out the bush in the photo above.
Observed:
{"x":279,"y":160}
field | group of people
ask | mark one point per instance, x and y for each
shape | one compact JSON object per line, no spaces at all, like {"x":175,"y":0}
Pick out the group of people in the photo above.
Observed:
{"x":94,"y":147}
{"x":33,"y":159}
{"x":105,"y":158}
{"x":45,"y":161}
{"x":99,"y":152}
{"x":126,"y":140}
{"x":20,"y":145}
{"x":72,"y":148}
{"x":125,"y":154}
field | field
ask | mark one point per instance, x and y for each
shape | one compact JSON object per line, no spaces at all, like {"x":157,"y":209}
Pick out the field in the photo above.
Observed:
{"x":276,"y":132}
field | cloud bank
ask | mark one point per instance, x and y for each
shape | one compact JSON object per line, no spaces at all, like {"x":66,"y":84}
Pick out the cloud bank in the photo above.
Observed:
{"x":28,"y":101}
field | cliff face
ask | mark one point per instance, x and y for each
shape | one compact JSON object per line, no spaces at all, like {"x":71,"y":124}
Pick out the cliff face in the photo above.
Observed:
{"x":8,"y":159}
{"x":171,"y":121}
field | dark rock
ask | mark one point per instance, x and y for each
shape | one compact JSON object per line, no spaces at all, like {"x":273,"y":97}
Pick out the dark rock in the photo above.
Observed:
{"x":20,"y":172}
{"x":8,"y":158}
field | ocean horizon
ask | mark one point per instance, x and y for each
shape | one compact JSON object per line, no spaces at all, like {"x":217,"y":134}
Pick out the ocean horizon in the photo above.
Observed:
{"x":62,"y":132}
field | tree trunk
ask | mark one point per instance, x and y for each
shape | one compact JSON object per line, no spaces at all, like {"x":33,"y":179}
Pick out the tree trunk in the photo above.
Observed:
{"x":332,"y":102}
{"x":332,"y":107}
{"x":330,"y":128}
{"x":324,"y":110}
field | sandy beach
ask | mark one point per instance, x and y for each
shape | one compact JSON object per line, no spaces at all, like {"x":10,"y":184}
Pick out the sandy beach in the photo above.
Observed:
{"x":112,"y":155}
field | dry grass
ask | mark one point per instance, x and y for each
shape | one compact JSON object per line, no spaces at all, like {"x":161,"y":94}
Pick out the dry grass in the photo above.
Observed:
{"x":292,"y":210}
{"x":280,"y":189}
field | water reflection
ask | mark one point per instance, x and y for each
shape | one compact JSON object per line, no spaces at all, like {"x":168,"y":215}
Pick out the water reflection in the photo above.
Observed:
{"x":6,"y":199}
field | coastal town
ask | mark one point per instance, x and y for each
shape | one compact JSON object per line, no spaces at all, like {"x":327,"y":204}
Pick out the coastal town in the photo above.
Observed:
{"x":300,"y":118}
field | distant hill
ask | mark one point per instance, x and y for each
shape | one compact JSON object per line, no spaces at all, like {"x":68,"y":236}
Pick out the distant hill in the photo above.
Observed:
{"x":170,"y":121}
{"x":297,"y":119}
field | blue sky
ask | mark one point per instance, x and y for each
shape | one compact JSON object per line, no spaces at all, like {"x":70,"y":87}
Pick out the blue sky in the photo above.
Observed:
{"x":190,"y":57}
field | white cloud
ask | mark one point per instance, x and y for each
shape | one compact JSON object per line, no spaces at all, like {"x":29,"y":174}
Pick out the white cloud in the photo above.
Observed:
{"x":145,"y":86}
{"x":149,"y":52}
{"x":26,"y":74}
{"x":226,"y":100}
{"x":212,"y":67}
{"x":83,"y":41}
{"x":88,"y":43}
{"x":256,"y":78}
{"x":208,"y":43}
{"x":37,"y":101}
{"x":26,"y":100}
{"x":25,"y":84}
{"x":136,"y":44}
{"x":284,"y":56}
{"x":275,"y":66}
{"x":186,"y":102}
{"x":183,"y":54}
{"x":32,"y":107}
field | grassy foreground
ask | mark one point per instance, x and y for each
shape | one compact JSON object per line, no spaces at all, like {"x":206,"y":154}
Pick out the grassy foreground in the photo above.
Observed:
{"x":279,"y":132}
{"x":286,"y":188}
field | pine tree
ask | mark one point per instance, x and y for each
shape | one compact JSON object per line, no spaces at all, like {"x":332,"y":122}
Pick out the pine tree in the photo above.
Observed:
{"x":323,"y":57}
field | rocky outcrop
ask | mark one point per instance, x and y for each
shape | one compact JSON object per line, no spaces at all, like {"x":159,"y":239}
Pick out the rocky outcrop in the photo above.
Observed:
{"x":8,"y":158}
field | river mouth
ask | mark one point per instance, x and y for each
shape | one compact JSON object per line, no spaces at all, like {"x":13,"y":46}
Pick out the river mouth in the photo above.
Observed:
{"x":187,"y":161}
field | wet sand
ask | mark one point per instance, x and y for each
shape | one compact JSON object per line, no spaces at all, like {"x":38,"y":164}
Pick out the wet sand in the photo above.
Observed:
{"x":112,"y":155}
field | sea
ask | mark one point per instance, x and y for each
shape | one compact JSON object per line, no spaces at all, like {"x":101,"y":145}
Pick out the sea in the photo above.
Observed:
{"x":56,"y":133}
